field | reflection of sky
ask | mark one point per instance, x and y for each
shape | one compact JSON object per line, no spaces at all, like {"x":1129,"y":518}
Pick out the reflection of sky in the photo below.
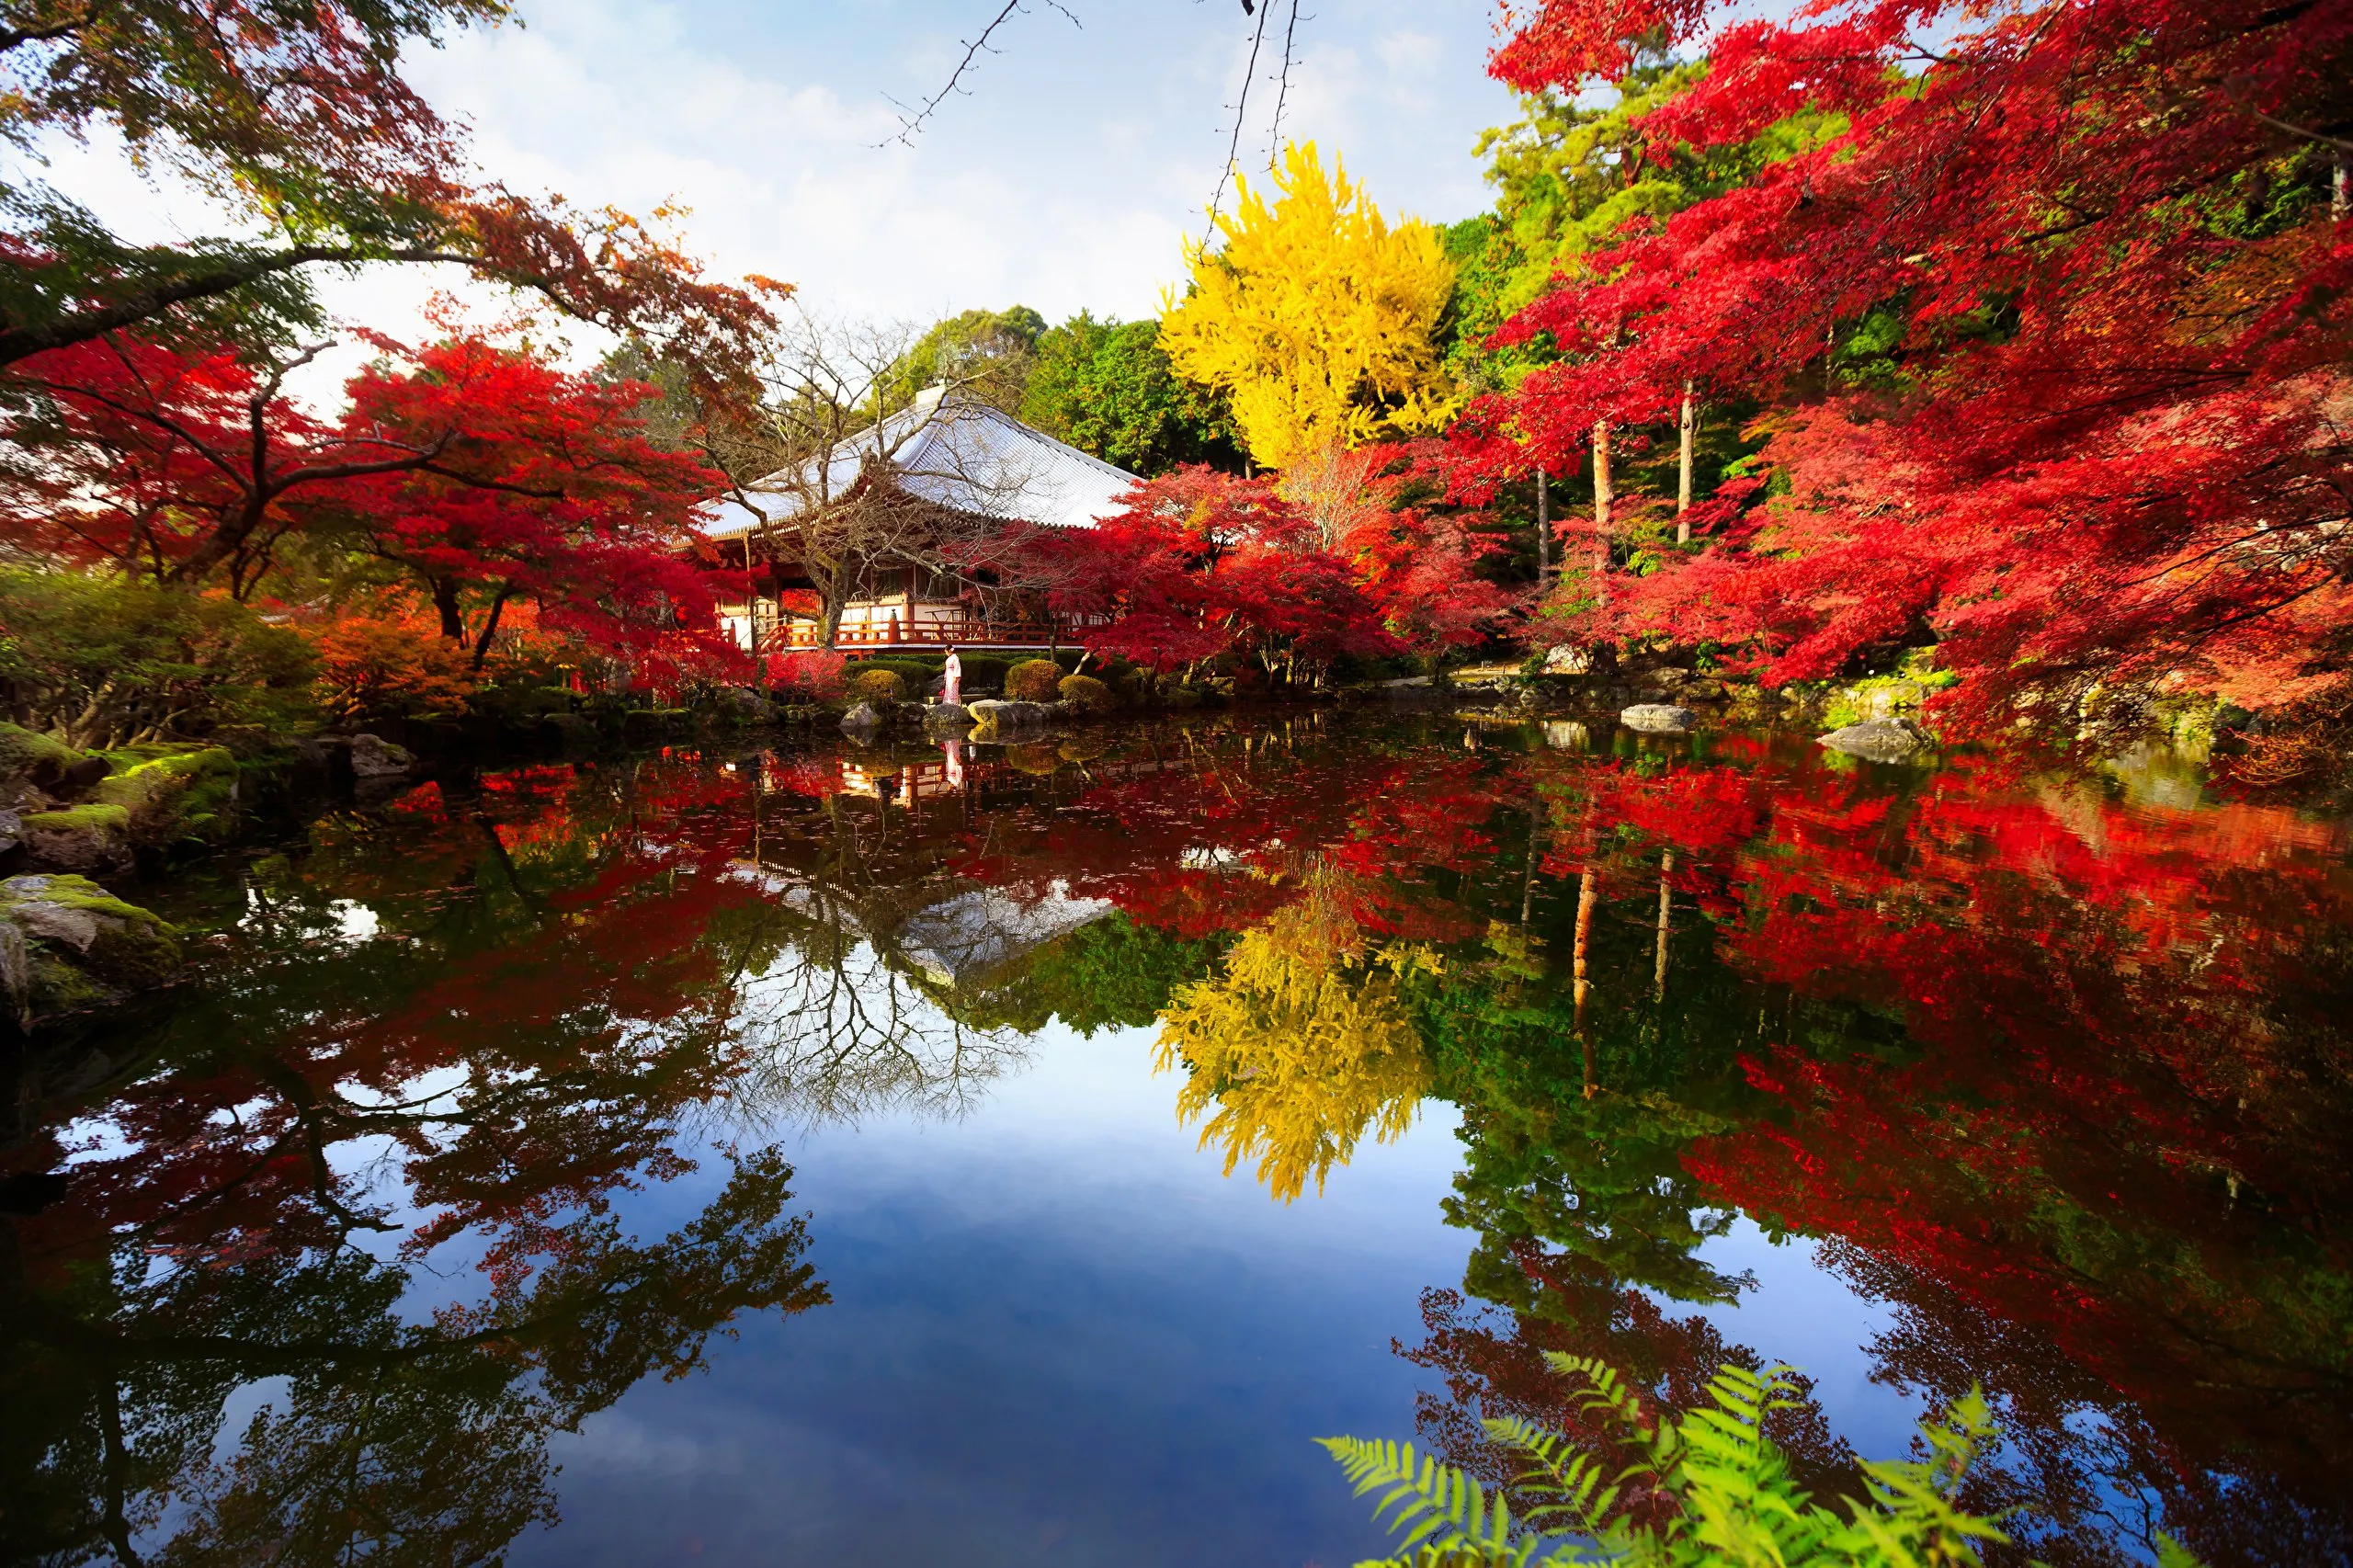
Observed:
{"x":1059,"y":1336}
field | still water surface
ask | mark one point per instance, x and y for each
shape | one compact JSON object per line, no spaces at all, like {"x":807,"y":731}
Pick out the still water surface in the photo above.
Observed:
{"x":1020,"y":1155}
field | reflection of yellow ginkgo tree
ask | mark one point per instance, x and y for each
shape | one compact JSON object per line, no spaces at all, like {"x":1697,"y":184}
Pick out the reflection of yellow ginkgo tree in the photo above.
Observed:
{"x":1300,"y":1047}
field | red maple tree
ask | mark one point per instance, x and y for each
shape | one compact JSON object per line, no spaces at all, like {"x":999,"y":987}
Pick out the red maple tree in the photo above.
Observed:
{"x":2049,"y":336}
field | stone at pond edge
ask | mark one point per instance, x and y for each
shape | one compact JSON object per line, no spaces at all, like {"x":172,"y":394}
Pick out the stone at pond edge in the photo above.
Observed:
{"x":948,"y":716}
{"x":1881,"y":740}
{"x":188,"y":792}
{"x":861,"y":721}
{"x":89,"y":837}
{"x":1658,"y":717}
{"x":375,"y":758}
{"x":995,"y":717}
{"x":66,"y":943}
{"x":1562,"y":659}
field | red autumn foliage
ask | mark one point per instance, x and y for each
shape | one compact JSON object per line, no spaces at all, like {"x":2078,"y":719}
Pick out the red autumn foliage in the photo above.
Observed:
{"x":2090,"y":253}
{"x":543,"y":489}
{"x":1202,"y":566}
{"x":491,"y":476}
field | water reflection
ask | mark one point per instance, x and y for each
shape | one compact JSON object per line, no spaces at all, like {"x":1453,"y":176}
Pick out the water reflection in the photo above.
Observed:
{"x":318,"y":1260}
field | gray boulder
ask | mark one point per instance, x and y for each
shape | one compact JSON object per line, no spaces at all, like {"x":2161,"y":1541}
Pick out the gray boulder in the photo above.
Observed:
{"x":375,"y":758}
{"x":862,"y":720}
{"x":995,"y":717}
{"x":66,"y":943}
{"x":948,"y":716}
{"x":1658,"y":719}
{"x":1881,"y":740}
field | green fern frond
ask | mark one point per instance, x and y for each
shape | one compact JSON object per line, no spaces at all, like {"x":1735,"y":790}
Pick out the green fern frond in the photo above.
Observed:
{"x":1439,"y":1508}
{"x":1582,"y":1497}
{"x":1735,"y":1499}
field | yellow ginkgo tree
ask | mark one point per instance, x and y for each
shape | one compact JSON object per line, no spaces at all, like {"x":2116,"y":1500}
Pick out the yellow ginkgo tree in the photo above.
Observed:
{"x":1318,"y":319}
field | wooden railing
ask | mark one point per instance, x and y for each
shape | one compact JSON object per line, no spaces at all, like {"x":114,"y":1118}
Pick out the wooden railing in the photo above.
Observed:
{"x":930,"y":633}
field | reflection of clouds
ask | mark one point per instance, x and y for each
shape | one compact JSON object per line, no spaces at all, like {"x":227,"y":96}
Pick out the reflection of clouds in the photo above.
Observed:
{"x":618,"y":1442}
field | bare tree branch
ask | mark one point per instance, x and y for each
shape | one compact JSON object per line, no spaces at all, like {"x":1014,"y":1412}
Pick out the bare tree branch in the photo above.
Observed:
{"x":1241,"y":111}
{"x":912,"y":121}
{"x":1282,"y":89}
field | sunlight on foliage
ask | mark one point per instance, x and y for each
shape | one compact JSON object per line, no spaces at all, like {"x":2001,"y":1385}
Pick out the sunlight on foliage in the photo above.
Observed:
{"x":1318,"y":319}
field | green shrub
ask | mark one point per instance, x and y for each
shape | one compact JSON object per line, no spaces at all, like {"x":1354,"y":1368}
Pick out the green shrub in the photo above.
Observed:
{"x":982,"y":672}
{"x":102,"y":662}
{"x":521,"y":704}
{"x":873,"y":685}
{"x":1086,"y":694}
{"x":1033,"y":680}
{"x":1732,"y":1496}
{"x":916,"y":670}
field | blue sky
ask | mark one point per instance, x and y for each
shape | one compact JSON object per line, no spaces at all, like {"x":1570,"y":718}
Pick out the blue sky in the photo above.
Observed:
{"x":1066,"y":178}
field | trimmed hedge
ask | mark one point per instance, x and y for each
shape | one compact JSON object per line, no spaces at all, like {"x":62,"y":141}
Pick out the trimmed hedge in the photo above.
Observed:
{"x":879,"y":683}
{"x":1034,"y":680}
{"x":1086,"y":694}
{"x":983,"y":672}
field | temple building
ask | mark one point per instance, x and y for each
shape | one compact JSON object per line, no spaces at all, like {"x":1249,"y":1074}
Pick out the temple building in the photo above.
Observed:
{"x":918,"y":500}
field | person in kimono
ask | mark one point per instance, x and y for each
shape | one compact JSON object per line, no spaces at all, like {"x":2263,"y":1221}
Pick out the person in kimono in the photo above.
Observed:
{"x":951,"y":687}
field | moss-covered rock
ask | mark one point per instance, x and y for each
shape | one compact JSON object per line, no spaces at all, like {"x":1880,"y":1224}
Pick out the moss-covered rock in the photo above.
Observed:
{"x":648,"y":725}
{"x":377,"y":761}
{"x":29,"y":754}
{"x":173,"y":794}
{"x":67,"y":944}
{"x":93,"y":836}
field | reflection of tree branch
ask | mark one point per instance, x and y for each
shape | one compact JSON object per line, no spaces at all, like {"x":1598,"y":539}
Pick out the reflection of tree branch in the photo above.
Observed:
{"x":116,"y":1528}
{"x":309,"y":1113}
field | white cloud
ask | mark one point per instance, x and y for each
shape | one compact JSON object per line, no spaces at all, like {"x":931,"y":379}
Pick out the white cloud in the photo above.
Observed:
{"x":1066,"y":178}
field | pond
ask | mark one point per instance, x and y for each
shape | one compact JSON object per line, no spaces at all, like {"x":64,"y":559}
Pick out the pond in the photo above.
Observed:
{"x":1020,"y":1155}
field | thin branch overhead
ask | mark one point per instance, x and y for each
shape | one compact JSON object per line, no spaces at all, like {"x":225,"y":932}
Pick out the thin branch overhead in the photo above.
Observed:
{"x":1282,"y":89}
{"x":912,"y":120}
{"x":1240,"y":109}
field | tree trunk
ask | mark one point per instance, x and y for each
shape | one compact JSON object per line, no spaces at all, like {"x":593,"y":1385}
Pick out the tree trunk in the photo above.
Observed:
{"x":1603,"y":496}
{"x":490,"y":625}
{"x":2340,"y":191}
{"x":445,"y":599}
{"x":1543,"y":531}
{"x":829,"y":616}
{"x":1683,"y":476}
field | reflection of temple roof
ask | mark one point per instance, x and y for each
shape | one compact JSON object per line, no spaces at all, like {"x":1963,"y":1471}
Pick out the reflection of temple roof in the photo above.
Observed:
{"x":958,"y":451}
{"x":961,"y":938}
